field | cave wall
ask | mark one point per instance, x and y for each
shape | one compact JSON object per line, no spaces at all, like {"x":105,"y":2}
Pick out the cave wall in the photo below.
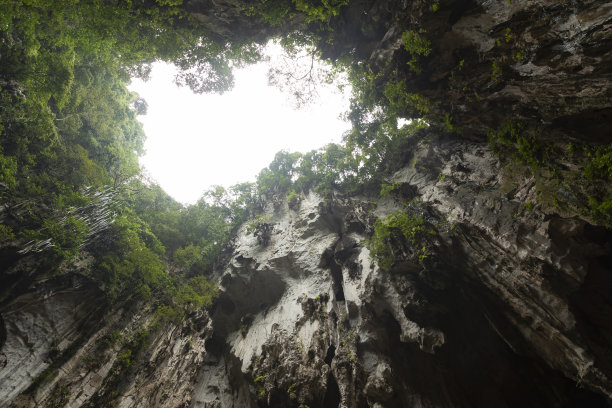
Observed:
{"x":508,"y":309}
{"x":493,"y":317}
{"x":544,"y":63}
{"x":511,"y":307}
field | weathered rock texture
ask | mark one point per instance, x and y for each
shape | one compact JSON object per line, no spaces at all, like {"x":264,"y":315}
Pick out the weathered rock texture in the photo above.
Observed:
{"x":41,"y":323}
{"x":541,"y":62}
{"x":494,"y":318}
{"x":511,"y":310}
{"x":61,"y":347}
{"x":511,"y":307}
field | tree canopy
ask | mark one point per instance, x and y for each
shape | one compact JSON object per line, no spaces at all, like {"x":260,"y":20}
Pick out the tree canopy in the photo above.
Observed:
{"x":70,"y":139}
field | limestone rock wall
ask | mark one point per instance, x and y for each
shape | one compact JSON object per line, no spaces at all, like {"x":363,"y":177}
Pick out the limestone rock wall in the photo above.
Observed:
{"x":62,"y":346}
{"x":311,"y":319}
{"x":544,"y":63}
{"x":38,"y":325}
{"x":510,"y":307}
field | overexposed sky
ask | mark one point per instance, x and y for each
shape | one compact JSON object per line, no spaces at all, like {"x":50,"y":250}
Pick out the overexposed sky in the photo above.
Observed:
{"x":196,"y":141}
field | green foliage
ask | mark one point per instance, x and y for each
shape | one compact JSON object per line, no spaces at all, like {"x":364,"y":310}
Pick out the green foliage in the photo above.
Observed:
{"x":188,"y":256}
{"x":448,"y":122}
{"x":584,"y":192}
{"x":387,"y":189}
{"x":601,"y":208}
{"x":68,"y":122}
{"x":125,"y":359}
{"x":599,"y":164}
{"x":403,"y":103}
{"x":63,"y":74}
{"x":258,"y":220}
{"x":274,"y":13}
{"x":417,"y":46}
{"x":375,"y":139}
{"x":198,"y":292}
{"x":496,"y":71}
{"x":279,"y":12}
{"x":114,"y":338}
{"x":166,"y":313}
{"x":519,"y":56}
{"x":322,"y":10}
{"x":598,"y":172}
{"x":507,"y":35}
{"x":279,"y":174}
{"x":8,"y":171}
{"x":65,"y":235}
{"x":514,"y":141}
{"x":292,"y":391}
{"x":293,"y":199}
{"x":129,"y":264}
{"x":391,"y":230}
{"x":139,"y":340}
{"x":6,"y":233}
{"x":329,"y":169}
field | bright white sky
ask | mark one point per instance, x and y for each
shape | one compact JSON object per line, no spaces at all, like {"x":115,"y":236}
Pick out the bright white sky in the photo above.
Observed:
{"x":196,"y":141}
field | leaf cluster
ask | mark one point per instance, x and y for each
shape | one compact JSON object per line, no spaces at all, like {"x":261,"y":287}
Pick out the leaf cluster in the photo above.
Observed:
{"x":391,"y":231}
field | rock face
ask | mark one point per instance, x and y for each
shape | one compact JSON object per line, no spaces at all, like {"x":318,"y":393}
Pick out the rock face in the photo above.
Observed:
{"x":496,"y":317}
{"x":38,"y":325}
{"x":510,"y":308}
{"x":59,"y":348}
{"x":539,"y":62}
{"x":510,"y":304}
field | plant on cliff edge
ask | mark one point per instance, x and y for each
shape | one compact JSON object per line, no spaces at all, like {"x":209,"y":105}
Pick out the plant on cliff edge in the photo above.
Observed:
{"x":417,"y":46}
{"x":390,"y":231}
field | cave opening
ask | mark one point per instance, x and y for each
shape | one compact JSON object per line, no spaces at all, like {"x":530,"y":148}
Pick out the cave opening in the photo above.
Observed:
{"x":332,"y":393}
{"x":329,"y":356}
{"x":336,"y":272}
{"x":263,"y":113}
{"x":214,"y":344}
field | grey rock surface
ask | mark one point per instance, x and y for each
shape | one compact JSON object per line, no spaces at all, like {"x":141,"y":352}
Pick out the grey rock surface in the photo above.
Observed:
{"x":511,"y":306}
{"x":507,"y":297}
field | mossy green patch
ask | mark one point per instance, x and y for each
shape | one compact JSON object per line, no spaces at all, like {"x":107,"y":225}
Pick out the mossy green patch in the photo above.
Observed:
{"x":399,"y":225}
{"x":570,"y":178}
{"x":496,"y":71}
{"x":387,"y":189}
{"x":522,"y":144}
{"x":416,"y":45}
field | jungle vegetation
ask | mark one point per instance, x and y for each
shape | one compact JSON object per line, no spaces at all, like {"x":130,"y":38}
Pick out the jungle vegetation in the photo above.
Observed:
{"x":69,"y":130}
{"x":70,"y":183}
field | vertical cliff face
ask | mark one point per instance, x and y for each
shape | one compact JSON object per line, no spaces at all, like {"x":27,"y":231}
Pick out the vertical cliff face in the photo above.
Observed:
{"x":509,"y":307}
{"x":495,"y":315}
{"x":63,"y":345}
{"x":502,"y":298}
{"x":40,"y":323}
{"x":540,"y":62}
